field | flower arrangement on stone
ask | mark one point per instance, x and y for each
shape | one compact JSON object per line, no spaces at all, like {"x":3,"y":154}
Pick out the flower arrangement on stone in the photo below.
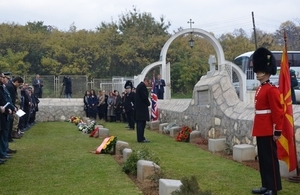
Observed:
{"x":184,"y":134}
{"x":76,"y":120}
{"x":110,"y":144}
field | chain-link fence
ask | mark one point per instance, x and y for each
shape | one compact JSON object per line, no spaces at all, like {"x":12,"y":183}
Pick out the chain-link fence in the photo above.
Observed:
{"x":53,"y":85}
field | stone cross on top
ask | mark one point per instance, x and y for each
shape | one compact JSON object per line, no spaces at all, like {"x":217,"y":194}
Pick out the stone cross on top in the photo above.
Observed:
{"x":191,"y":23}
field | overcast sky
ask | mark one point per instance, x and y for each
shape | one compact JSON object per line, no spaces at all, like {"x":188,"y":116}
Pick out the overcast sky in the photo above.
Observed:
{"x":217,"y":16}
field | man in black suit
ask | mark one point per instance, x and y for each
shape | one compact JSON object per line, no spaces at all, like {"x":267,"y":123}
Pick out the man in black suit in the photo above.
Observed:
{"x":67,"y":83}
{"x":141,"y":109}
{"x":38,"y":86}
{"x":159,"y":87}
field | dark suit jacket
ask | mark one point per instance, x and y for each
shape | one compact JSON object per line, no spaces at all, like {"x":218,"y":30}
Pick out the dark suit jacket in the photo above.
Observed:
{"x":142,"y":103}
{"x":159,"y":85}
{"x":12,"y":91}
{"x":37,"y":87}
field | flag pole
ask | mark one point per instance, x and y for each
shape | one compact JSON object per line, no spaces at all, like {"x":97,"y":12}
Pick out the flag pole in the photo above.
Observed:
{"x":296,"y":178}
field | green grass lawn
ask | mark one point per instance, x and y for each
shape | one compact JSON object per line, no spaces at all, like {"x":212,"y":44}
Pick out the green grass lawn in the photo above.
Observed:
{"x":54,"y":158}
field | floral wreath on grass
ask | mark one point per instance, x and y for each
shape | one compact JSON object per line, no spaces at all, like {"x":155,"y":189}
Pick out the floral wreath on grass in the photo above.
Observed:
{"x":110,"y":144}
{"x":86,"y":128}
{"x":183,"y":135}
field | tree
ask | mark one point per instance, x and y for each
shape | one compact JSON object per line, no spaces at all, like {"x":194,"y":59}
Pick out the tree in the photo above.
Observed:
{"x":293,"y":35}
{"x":235,"y":44}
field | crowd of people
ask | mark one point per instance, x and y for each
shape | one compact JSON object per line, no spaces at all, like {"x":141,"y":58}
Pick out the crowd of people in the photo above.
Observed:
{"x":111,"y":106}
{"x":116,"y":107}
{"x":15,"y":96}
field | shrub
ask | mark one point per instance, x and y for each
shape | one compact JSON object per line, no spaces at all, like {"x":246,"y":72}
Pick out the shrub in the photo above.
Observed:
{"x":130,"y":165}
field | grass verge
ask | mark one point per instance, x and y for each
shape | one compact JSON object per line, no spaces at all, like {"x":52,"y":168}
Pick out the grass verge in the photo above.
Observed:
{"x":54,"y":158}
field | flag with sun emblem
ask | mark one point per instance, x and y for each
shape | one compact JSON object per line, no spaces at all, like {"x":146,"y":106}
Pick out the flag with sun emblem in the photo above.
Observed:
{"x":286,"y":143}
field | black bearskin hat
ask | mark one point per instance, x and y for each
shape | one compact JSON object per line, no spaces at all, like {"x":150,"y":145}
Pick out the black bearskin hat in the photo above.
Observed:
{"x":128,"y":84}
{"x":264,"y":61}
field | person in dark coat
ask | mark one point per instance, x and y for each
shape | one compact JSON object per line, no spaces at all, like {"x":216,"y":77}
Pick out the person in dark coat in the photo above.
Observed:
{"x":92,"y":104}
{"x":294,"y":83}
{"x":86,"y":103}
{"x":12,"y":86}
{"x":141,"y":109}
{"x":159,"y":87}
{"x":67,"y":82}
{"x":38,"y":86}
{"x":129,"y":107}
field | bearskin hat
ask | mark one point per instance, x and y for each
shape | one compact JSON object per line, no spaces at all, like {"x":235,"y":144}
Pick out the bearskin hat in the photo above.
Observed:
{"x":264,"y":61}
{"x":128,"y":84}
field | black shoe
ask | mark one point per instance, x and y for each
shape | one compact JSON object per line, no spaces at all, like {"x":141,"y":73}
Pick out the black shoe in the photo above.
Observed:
{"x":5,"y":157}
{"x":3,"y":160}
{"x":259,"y":190}
{"x":15,"y":135}
{"x":145,"y":141}
{"x":10,"y":151}
{"x":270,"y":192}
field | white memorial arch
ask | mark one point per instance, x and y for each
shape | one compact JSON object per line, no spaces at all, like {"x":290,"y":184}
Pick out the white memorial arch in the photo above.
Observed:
{"x":165,"y":67}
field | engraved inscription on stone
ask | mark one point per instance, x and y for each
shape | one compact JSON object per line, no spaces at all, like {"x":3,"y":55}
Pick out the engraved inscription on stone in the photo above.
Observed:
{"x":203,"y":97}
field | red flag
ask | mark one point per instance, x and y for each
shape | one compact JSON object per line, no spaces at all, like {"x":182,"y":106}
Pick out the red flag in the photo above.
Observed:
{"x":286,"y":143}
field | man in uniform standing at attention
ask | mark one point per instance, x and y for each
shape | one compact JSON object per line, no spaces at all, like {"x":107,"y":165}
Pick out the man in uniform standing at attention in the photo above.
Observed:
{"x":267,"y":125}
{"x":141,"y":109}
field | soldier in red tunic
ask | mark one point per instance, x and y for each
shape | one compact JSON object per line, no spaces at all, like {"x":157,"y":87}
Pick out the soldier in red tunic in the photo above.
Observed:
{"x":267,"y":125}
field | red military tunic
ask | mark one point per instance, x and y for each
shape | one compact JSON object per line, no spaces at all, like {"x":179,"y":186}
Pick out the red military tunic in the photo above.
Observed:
{"x":268,"y":111}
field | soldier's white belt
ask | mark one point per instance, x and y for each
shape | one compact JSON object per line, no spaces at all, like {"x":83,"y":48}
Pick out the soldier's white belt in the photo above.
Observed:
{"x":262,"y":111}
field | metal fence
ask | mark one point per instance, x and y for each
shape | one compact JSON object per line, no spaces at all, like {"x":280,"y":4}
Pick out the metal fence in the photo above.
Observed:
{"x":53,"y":85}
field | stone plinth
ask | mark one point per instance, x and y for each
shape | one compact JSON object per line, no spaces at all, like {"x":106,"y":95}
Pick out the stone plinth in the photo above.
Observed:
{"x":243,"y":152}
{"x":146,"y":168}
{"x":174,"y":131}
{"x":167,"y":186}
{"x":120,"y":145}
{"x":161,"y":127}
{"x":153,"y":125}
{"x":126,"y":153}
{"x":216,"y":145}
{"x":100,"y":126}
{"x":194,"y":135}
{"x":284,"y":171}
{"x":103,"y":132}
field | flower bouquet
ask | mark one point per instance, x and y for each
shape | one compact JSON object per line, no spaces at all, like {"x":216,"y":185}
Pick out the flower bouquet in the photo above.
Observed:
{"x":75,"y":120}
{"x":86,"y":128}
{"x":184,"y":134}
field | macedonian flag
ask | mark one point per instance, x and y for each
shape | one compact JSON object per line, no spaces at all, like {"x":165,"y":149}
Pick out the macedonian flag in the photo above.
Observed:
{"x":286,"y":143}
